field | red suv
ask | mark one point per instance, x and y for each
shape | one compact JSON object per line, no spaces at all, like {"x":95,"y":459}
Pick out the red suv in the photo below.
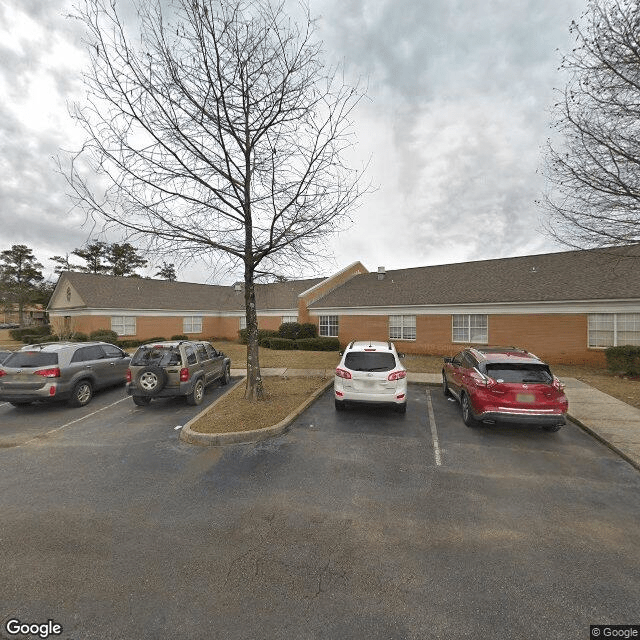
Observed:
{"x":504,"y":384}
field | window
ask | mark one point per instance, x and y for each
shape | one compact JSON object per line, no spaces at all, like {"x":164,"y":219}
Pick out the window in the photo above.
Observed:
{"x":402,"y":327}
{"x":614,"y":329}
{"x":202,"y":353}
{"x":192,"y":324}
{"x":329,"y":326}
{"x":243,"y":322}
{"x":289,"y":319}
{"x":191,"y":355}
{"x":472,"y":327}
{"x":85,"y":354}
{"x":123,"y":325}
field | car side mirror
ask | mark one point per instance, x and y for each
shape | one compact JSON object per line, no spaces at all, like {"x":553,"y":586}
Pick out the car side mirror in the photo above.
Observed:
{"x":341,"y":353}
{"x":402,"y":355}
{"x":448,"y":360}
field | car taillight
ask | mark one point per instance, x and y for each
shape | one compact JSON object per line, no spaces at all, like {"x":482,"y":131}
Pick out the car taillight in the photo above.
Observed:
{"x":483,"y":381}
{"x":127,"y":376}
{"x":184,"y":374}
{"x":54,"y":372}
{"x":2,"y":373}
{"x":341,"y":373}
{"x":557,"y":384}
{"x":397,"y":375}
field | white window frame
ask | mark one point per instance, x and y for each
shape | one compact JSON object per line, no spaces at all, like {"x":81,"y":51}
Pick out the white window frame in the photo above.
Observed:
{"x":328,"y":326}
{"x":402,"y":328}
{"x":192,"y":324}
{"x":289,"y":319}
{"x":243,"y":322}
{"x":124,"y":325}
{"x":611,"y":323}
{"x":468,"y":322}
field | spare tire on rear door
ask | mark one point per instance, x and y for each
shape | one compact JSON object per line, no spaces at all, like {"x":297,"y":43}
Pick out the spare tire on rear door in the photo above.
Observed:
{"x":151,"y":380}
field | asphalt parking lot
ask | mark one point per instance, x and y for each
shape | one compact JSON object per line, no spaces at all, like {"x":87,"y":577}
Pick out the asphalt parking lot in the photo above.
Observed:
{"x":358,"y":524}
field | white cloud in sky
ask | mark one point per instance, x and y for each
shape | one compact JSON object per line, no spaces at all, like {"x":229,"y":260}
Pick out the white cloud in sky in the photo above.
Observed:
{"x":456,"y":114}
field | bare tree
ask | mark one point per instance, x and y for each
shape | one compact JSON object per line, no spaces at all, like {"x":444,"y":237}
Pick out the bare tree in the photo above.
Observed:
{"x":594,"y":171}
{"x":219,"y":131}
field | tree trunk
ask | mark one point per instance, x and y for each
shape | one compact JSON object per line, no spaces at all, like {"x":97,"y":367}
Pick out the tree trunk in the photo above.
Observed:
{"x":254,"y":390}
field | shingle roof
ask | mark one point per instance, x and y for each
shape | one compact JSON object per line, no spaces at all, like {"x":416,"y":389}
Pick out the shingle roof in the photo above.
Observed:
{"x":109,"y":292}
{"x":596,"y":274}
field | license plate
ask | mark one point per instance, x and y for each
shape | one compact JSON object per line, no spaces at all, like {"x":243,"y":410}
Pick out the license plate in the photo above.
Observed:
{"x":525,"y":397}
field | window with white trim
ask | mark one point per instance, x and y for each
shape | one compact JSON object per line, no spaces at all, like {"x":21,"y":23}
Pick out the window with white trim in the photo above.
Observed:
{"x":124,"y":325}
{"x":289,"y":319}
{"x":329,"y":326}
{"x":192,"y":324}
{"x":402,"y":327}
{"x":614,"y":329}
{"x":470,"y":327}
{"x":243,"y":322}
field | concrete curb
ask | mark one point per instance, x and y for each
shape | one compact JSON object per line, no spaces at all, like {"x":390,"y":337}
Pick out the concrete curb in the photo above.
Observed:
{"x":235,"y":437}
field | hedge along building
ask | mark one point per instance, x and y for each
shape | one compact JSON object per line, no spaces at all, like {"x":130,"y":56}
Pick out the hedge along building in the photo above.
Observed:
{"x":565,"y":307}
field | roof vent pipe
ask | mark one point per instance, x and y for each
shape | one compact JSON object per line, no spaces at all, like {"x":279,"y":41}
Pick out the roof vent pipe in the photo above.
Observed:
{"x":381,"y":273}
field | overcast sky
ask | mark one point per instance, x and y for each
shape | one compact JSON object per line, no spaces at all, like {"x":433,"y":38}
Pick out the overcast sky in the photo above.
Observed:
{"x":454,"y":125}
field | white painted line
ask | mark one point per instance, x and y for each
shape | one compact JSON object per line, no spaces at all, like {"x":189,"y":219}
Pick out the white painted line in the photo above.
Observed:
{"x":434,"y":430}
{"x":74,"y":421}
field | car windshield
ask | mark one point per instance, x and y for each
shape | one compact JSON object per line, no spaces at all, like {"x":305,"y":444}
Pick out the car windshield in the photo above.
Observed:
{"x":30,"y":359}
{"x":522,"y":373}
{"x":157,"y":355}
{"x":368,"y":361}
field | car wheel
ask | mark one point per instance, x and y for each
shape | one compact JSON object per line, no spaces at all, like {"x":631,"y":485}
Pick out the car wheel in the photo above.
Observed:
{"x":467,"y":415}
{"x":141,"y":401}
{"x":227,"y":376}
{"x":445,"y":386}
{"x":21,"y":404}
{"x":552,"y":428}
{"x":151,"y":380}
{"x":401,"y":408}
{"x":339,"y":405}
{"x":197,"y":393}
{"x":81,"y":394}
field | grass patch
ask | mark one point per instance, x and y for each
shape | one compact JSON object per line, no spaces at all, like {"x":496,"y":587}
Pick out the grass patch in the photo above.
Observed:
{"x":234,"y":413}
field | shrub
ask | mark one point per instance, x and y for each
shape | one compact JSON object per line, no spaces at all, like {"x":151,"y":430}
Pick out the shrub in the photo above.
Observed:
{"x":318,"y":344}
{"x":104,"y":335}
{"x":35,"y":331}
{"x":308,"y":330}
{"x":624,"y":360}
{"x":128,"y":344}
{"x":180,"y":336}
{"x":262,"y":334}
{"x":78,"y":336}
{"x":155,"y":339}
{"x":281,"y":343}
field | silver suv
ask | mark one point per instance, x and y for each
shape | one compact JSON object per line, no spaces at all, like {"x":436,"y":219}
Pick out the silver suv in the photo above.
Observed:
{"x":61,"y":371}
{"x":175,"y":368}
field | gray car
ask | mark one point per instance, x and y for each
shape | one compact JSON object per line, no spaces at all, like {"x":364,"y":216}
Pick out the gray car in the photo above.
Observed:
{"x":69,"y":371}
{"x":175,"y":368}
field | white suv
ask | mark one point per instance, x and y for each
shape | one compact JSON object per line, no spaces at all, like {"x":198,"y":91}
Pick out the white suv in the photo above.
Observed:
{"x":371,"y":372}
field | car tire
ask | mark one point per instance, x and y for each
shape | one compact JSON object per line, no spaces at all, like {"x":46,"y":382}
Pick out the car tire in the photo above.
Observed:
{"x":81,"y":394}
{"x":197,"y":393}
{"x":141,"y":401}
{"x":151,"y":380}
{"x":445,"y":386}
{"x":401,"y":408}
{"x":552,"y":428}
{"x":339,"y":404}
{"x":467,"y":414}
{"x":227,"y":376}
{"x":21,"y":404}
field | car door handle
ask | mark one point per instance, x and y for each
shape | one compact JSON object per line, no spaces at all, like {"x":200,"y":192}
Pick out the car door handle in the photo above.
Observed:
{"x":88,"y":366}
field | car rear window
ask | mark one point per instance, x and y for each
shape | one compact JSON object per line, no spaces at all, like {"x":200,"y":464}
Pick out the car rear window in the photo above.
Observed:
{"x":520,"y":373}
{"x":30,"y":359}
{"x":157,"y":355}
{"x":367,"y":361}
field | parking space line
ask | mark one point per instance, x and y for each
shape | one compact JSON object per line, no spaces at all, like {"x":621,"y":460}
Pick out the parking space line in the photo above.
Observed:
{"x":434,"y":430}
{"x":73,"y":421}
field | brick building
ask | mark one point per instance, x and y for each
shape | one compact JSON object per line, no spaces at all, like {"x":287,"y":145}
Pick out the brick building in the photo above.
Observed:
{"x":565,"y":307}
